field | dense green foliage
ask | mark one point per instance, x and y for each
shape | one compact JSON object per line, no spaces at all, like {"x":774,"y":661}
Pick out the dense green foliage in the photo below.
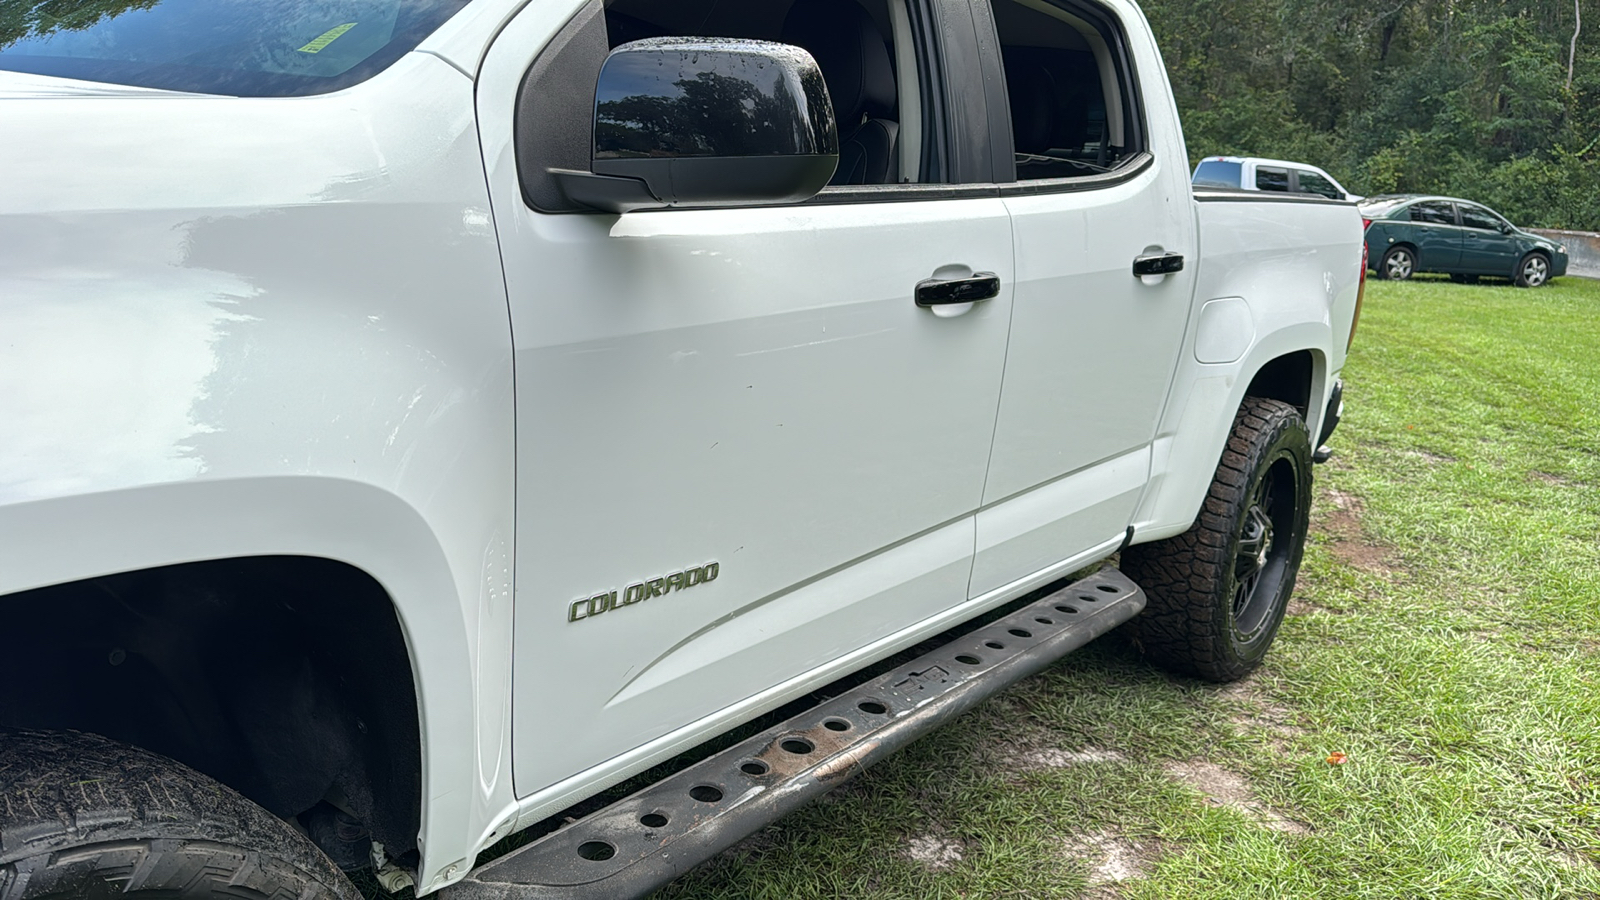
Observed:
{"x":1465,"y":97}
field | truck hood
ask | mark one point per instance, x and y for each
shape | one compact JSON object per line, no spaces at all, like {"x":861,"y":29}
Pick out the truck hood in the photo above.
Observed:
{"x":26,"y":86}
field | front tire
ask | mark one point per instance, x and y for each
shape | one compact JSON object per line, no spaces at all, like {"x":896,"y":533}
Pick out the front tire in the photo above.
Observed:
{"x":1533,"y":271}
{"x":1217,"y":593}
{"x":1399,"y":264}
{"x":86,"y":818}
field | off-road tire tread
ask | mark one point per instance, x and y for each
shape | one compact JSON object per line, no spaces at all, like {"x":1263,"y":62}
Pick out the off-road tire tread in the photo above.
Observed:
{"x":1183,"y":628}
{"x":82,"y":816}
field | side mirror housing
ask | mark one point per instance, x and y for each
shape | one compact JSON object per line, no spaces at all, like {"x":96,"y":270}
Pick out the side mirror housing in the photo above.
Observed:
{"x":706,"y":122}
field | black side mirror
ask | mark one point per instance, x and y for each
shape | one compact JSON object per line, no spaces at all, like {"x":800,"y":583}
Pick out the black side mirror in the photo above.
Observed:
{"x":707,"y":122}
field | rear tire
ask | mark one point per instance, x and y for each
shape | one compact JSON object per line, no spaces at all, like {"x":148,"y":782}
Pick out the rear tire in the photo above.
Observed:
{"x":1533,"y":271}
{"x":86,"y":818}
{"x":1399,"y":264}
{"x":1217,"y":593}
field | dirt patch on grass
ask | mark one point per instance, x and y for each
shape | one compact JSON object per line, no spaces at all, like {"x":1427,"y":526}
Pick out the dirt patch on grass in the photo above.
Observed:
{"x":935,"y":852}
{"x":1258,"y":713}
{"x":1347,"y":538}
{"x":1111,"y":860}
{"x":1051,"y":758}
{"x":1430,"y":457}
{"x":1221,"y":787}
{"x":1560,"y":481}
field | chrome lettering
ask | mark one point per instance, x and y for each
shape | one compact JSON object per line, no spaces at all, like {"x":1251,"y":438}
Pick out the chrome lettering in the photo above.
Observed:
{"x":640,"y":591}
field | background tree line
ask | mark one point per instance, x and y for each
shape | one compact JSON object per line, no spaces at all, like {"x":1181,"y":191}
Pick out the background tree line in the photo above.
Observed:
{"x":1490,"y":99}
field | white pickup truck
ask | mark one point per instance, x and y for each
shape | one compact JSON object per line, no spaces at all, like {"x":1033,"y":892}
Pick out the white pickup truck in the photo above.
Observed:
{"x":420,"y":416}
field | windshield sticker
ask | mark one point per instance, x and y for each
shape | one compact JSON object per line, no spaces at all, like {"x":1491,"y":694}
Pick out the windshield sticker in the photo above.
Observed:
{"x":327,"y":37}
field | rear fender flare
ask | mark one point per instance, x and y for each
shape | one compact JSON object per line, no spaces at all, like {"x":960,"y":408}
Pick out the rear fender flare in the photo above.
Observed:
{"x":1200,"y":415}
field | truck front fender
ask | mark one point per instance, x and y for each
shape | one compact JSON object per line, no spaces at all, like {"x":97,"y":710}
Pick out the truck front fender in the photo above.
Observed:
{"x":58,"y":540}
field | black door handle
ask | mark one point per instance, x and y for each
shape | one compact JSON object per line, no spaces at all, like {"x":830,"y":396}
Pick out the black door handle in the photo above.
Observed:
{"x":1158,"y":264}
{"x":980,"y":287}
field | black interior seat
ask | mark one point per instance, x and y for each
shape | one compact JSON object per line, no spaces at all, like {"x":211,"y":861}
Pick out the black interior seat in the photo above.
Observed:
{"x":1050,"y":110}
{"x":855,"y":62}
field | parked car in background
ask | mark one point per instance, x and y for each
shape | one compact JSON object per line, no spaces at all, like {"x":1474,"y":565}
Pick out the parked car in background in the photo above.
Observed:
{"x":1412,"y":233}
{"x":1248,"y":173}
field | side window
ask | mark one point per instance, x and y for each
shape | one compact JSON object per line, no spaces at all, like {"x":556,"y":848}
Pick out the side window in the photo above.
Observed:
{"x":865,"y":49}
{"x":1480,"y":218}
{"x":1312,"y":183}
{"x":1270,"y":179}
{"x":1434,"y":213}
{"x":1068,"y":83}
{"x":855,"y":45}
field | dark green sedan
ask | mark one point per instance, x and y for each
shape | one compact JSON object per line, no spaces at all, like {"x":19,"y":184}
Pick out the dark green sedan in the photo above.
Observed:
{"x":1417,"y":233}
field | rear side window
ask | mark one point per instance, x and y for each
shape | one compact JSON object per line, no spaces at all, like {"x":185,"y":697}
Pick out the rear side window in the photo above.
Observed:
{"x":1434,"y":213}
{"x":1312,"y":183}
{"x":1073,"y":112}
{"x":1270,"y":179}
{"x":1219,"y":174}
{"x":251,"y":48}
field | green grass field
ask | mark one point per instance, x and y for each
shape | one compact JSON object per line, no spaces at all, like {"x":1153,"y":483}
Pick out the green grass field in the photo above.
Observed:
{"x":1445,"y":636}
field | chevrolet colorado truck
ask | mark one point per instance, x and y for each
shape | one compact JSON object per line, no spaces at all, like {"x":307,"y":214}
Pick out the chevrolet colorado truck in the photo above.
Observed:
{"x":418,"y":417}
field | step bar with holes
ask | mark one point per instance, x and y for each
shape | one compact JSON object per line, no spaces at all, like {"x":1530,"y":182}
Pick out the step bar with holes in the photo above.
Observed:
{"x":644,"y":841}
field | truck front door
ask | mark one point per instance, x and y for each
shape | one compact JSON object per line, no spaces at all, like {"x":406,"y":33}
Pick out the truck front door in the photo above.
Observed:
{"x":744,"y":452}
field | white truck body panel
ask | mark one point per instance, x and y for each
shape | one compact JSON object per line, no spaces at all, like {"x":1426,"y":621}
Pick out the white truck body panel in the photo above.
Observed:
{"x":205,"y":360}
{"x":373,"y":351}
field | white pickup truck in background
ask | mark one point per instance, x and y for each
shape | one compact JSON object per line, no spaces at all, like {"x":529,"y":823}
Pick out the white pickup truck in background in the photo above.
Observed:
{"x":419,"y":416}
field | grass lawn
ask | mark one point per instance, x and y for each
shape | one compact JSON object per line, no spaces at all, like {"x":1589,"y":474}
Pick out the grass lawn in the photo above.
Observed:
{"x":1445,"y":637}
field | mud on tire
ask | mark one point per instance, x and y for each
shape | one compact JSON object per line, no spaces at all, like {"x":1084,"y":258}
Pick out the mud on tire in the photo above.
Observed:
{"x":86,"y":817}
{"x":1217,"y":593}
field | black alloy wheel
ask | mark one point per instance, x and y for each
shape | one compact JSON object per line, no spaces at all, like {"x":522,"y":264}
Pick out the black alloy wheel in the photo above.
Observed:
{"x":1262,"y":555}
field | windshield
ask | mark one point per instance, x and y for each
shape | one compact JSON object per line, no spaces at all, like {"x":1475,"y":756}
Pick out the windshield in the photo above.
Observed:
{"x":252,"y":48}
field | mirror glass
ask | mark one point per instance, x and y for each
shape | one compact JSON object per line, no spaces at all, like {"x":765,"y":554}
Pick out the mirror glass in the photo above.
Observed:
{"x":667,"y":98}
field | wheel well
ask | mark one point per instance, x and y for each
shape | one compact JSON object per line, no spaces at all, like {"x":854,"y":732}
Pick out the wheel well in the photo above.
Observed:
{"x":285,"y":678}
{"x":1287,"y":378}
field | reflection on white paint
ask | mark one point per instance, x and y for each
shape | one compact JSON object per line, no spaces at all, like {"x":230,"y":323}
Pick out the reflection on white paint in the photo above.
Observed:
{"x":100,"y":391}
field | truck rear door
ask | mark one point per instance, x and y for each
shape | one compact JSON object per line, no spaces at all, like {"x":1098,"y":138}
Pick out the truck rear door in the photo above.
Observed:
{"x":1100,"y":182}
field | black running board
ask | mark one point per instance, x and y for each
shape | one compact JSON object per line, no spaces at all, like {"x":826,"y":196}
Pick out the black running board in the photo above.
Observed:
{"x":644,"y":841}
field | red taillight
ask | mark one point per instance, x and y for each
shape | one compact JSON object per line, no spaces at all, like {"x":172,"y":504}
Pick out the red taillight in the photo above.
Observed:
{"x":1365,"y":224}
{"x":1361,"y":295}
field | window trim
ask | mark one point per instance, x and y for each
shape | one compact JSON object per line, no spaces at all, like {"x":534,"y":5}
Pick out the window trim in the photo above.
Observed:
{"x":929,"y":21}
{"x":1003,"y":147}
